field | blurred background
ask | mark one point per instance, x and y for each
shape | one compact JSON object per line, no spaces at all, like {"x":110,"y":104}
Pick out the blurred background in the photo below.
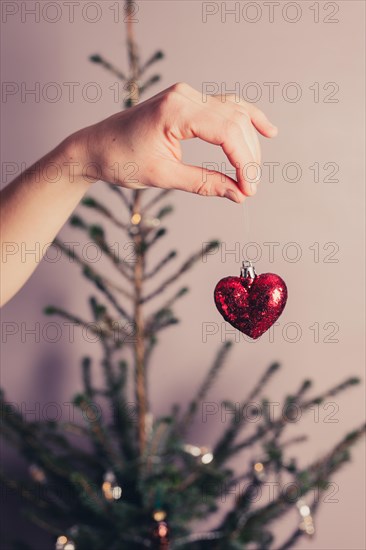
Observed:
{"x":303,"y":64}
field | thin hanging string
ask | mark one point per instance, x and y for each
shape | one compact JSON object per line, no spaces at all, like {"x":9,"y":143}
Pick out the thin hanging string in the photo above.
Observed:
{"x":246,"y":223}
{"x":247,"y":268}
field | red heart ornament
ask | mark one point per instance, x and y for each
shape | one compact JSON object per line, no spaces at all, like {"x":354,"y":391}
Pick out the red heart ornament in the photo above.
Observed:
{"x":251,"y":303}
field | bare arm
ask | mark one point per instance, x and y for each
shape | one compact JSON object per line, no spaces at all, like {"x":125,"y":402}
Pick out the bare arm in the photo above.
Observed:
{"x":33,"y":209}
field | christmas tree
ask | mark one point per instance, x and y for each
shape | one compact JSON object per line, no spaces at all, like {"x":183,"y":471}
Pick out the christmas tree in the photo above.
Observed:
{"x":129,"y":480}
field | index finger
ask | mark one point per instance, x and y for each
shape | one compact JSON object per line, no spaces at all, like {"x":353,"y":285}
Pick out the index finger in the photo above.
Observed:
{"x":226,"y":128}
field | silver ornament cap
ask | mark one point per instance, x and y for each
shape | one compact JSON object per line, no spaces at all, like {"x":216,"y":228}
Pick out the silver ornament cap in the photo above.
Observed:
{"x":247,"y":270}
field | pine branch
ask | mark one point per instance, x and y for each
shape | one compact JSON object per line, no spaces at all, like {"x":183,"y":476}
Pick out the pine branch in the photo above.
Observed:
{"x":99,"y":433}
{"x":294,"y":441}
{"x":26,"y":491}
{"x":29,"y":442}
{"x":42,"y":524}
{"x":263,"y":381}
{"x":75,"y":429}
{"x":236,"y":424}
{"x":147,"y":244}
{"x":122,"y":421}
{"x":236,"y":518}
{"x":289,"y":543}
{"x":53,"y":310}
{"x":157,"y":56}
{"x":150,"y":82}
{"x":205,"y":386}
{"x":329,"y":463}
{"x":188,"y":264}
{"x":86,"y":372}
{"x":94,"y":275}
{"x":96,"y":233}
{"x":171,"y":301}
{"x":98,"y":59}
{"x":122,"y":196}
{"x":152,"y":323}
{"x":297,"y":532}
{"x":165,"y":320}
{"x":263,"y":431}
{"x":58,"y":503}
{"x":89,"y":496}
{"x":89,"y":274}
{"x":304,"y":387}
{"x":155,"y":446}
{"x":164,"y":211}
{"x":290,"y":401}
{"x":198,"y":537}
{"x":320,"y":470}
{"x":112,"y":327}
{"x":133,"y":538}
{"x":170,"y":256}
{"x":157,"y":197}
{"x":331,"y":393}
{"x":150,"y":345}
{"x":91,"y":202}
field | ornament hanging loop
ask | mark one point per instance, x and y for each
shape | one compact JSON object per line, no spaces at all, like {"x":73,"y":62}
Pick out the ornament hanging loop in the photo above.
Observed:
{"x":247,"y":270}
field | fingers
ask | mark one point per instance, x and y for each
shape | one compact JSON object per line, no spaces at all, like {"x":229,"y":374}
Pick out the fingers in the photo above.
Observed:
{"x":219,"y":121}
{"x":258,"y":118}
{"x":230,"y":130}
{"x":194,"y":179}
{"x":261,"y":122}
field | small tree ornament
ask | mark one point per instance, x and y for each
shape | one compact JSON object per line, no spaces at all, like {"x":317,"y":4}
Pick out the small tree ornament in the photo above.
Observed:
{"x":251,"y":303}
{"x":161,"y":532}
{"x":37,"y":474}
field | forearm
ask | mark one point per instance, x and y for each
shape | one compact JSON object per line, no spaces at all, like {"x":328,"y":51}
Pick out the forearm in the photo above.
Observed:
{"x":34,"y":207}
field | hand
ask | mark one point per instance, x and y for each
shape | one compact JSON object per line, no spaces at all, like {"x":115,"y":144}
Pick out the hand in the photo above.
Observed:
{"x":136,"y":148}
{"x":140,"y":147}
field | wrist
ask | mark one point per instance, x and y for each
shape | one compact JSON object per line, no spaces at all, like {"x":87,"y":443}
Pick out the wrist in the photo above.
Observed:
{"x":76,"y":160}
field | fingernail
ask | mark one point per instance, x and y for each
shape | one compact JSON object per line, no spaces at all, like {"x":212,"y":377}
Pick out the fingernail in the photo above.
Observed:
{"x":229,"y":194}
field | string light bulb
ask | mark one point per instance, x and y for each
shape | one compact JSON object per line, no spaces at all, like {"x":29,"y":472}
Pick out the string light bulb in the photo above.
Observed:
{"x":151,"y":223}
{"x":110,"y":487}
{"x":207,"y":457}
{"x":304,"y":510}
{"x":307,"y":523}
{"x":37,"y":474}
{"x":136,"y":218}
{"x":64,"y":543}
{"x":192,"y":449}
{"x":203,"y":453}
{"x":159,"y":515}
{"x":259,"y":470}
